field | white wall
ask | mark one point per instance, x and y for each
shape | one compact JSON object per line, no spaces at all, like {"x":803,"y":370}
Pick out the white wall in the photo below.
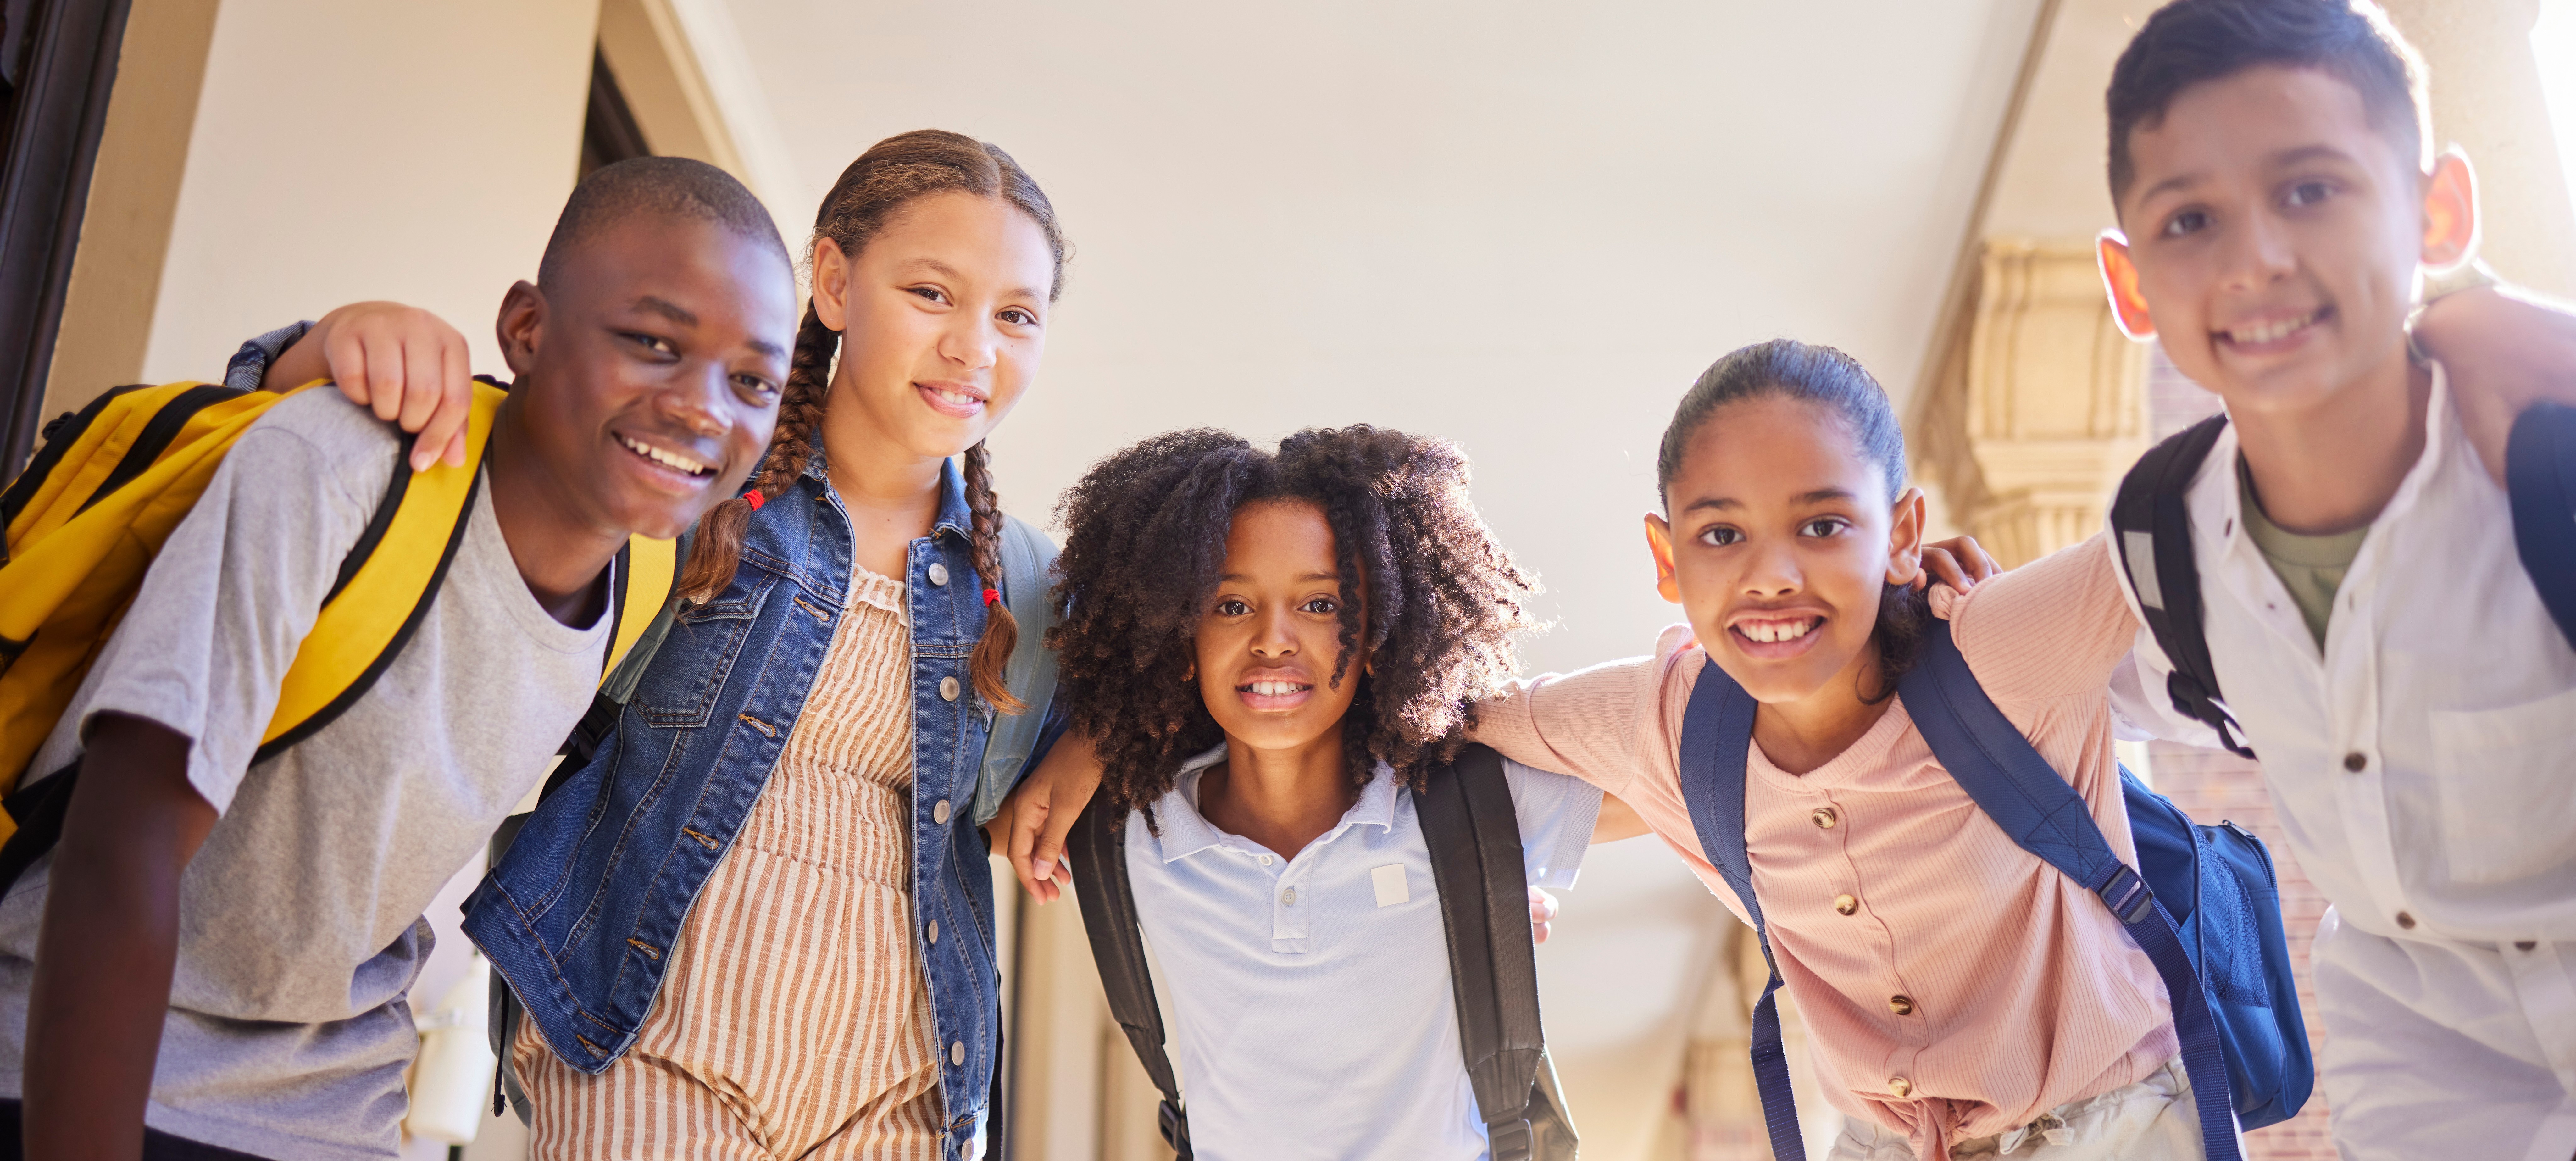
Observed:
{"x":1526,"y":226}
{"x":369,"y":149}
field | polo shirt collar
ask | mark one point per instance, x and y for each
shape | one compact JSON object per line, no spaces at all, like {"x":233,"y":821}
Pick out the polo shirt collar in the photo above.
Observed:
{"x":1186,"y":832}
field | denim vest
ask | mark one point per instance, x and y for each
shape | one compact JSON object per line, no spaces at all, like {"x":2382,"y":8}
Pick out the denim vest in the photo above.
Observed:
{"x":581,"y":911}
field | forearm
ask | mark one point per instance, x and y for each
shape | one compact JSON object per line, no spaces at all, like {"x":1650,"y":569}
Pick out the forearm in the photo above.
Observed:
{"x":109,"y":943}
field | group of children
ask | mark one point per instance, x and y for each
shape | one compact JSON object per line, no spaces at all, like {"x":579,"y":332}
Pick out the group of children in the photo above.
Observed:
{"x":750,"y":914}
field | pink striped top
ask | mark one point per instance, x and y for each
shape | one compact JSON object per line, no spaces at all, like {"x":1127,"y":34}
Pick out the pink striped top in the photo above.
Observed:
{"x":1953,"y":985}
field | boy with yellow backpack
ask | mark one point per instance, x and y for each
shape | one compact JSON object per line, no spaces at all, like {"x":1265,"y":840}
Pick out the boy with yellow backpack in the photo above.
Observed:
{"x":292,"y":685}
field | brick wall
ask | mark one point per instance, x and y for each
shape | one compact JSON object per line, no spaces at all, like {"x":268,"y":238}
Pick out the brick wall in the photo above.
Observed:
{"x":2213,"y":786}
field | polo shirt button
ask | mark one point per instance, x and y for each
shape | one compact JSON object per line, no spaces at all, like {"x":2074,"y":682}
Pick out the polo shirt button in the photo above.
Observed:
{"x":934,"y":931}
{"x":1901,"y":1005}
{"x":1824,"y":817}
{"x":1899,"y":1085}
{"x":956,"y":1052}
{"x":2525,"y":944}
{"x":2406,"y":921}
{"x":2356,"y":761}
{"x":1845,"y":905}
{"x":1289,"y":896}
{"x":938,"y":573}
{"x":939,"y":812}
{"x":948,"y":689}
{"x":1265,"y":860}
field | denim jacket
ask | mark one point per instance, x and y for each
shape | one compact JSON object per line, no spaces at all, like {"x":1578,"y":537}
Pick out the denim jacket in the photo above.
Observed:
{"x":581,"y":911}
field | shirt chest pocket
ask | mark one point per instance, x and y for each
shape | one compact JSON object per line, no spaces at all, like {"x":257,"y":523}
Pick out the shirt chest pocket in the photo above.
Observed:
{"x":2507,"y":808}
{"x":679,"y":689}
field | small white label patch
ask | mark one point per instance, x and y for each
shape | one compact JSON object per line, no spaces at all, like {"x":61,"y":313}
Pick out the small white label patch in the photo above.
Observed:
{"x":1389,"y":881}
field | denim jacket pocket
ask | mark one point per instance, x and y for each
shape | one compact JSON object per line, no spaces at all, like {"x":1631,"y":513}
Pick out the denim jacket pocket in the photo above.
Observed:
{"x":710,"y":635}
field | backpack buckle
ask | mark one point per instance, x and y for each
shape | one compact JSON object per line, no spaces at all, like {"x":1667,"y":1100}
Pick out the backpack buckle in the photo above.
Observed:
{"x":2128,"y":895}
{"x":1175,"y":1127}
{"x":1508,"y":1140}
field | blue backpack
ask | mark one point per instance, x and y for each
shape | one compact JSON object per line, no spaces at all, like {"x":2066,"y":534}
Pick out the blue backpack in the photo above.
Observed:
{"x":2206,"y":909}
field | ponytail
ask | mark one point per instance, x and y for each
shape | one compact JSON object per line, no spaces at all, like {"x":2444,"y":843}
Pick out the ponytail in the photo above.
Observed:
{"x":991,"y":660}
{"x":718,"y":551}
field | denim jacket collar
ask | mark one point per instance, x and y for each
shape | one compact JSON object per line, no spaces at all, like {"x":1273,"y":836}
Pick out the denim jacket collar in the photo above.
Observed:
{"x":954,"y":515}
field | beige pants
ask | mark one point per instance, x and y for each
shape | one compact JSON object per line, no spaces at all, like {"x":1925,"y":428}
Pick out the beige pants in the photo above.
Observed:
{"x":2152,"y":1120}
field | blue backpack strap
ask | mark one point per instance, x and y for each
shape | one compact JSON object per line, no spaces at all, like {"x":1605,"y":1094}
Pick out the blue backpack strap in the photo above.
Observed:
{"x":1991,"y":760}
{"x":1027,"y":557}
{"x":1717,"y":733}
{"x":2540,"y":479}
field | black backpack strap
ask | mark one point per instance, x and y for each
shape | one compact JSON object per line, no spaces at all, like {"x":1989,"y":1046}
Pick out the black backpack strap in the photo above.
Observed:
{"x":2154,"y":528}
{"x":1717,"y":736}
{"x":1097,"y":847}
{"x":1475,"y":844}
{"x":2540,"y":479}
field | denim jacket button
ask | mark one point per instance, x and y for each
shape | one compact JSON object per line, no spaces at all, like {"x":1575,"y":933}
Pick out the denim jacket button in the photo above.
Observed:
{"x":956,"y":1052}
{"x":948,"y":689}
{"x":938,"y":573}
{"x":939,"y":813}
{"x":934,"y":931}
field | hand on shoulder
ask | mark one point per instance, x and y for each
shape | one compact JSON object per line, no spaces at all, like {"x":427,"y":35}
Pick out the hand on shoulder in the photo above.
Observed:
{"x":401,"y":362}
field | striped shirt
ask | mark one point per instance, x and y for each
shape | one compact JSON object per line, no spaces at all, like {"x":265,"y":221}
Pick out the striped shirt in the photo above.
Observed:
{"x":1954,"y":985}
{"x":795,"y":1021}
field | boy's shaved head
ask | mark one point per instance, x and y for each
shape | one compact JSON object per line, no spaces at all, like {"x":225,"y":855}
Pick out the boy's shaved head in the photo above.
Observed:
{"x":2191,"y":41}
{"x":662,"y":186}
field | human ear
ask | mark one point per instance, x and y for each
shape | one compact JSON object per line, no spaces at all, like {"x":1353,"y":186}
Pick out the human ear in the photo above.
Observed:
{"x":1659,"y":541}
{"x":1905,"y":539}
{"x":2450,"y":211}
{"x":521,"y":326}
{"x":2120,"y":278}
{"x":831,"y":284}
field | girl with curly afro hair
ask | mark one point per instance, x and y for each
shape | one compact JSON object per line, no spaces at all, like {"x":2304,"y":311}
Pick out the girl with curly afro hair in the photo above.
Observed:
{"x":1264,"y":649}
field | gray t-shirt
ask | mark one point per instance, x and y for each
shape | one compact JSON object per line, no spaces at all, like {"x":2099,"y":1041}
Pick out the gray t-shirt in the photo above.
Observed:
{"x":300,"y":925}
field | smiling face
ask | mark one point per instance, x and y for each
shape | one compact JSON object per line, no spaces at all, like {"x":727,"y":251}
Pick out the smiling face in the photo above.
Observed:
{"x":2273,"y":235}
{"x":1266,"y":647}
{"x":650,"y":367}
{"x":1779,"y":546}
{"x":943,"y":314}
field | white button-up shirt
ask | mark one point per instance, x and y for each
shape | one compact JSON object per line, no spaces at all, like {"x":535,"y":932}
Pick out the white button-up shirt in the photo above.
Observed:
{"x":2424,"y":770}
{"x":1311,"y":1007}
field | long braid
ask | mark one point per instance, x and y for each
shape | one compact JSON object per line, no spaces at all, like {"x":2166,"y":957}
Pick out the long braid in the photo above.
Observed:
{"x":800,"y":413}
{"x":991,"y":660}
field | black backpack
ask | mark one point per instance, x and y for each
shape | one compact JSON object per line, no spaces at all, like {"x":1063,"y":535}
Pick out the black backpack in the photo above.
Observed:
{"x":2154,"y":527}
{"x":1475,"y":842}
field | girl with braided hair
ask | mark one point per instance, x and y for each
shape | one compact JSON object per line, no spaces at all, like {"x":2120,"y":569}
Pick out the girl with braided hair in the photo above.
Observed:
{"x":759,"y":922}
{"x":1266,"y":647}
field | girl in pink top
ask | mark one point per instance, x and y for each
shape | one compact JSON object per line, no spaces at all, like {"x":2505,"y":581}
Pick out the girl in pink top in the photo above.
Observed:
{"x":1963,"y":997}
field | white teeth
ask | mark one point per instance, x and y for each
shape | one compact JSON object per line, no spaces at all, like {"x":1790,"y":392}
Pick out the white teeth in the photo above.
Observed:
{"x":2271,"y":331}
{"x":959,"y":398}
{"x":1274,"y":688}
{"x":671,"y":460}
{"x":1772,"y":632}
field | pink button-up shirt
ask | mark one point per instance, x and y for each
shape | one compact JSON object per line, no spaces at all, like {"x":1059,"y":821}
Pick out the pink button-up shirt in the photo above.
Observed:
{"x":2019,"y":990}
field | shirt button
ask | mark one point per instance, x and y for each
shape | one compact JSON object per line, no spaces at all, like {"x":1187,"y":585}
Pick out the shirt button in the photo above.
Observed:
{"x":1899,"y":1085}
{"x":934,"y":931}
{"x":2356,"y":761}
{"x":1289,"y":896}
{"x":956,"y":1052}
{"x":1845,"y":905}
{"x":1265,"y":860}
{"x":948,"y":689}
{"x":1901,"y":1005}
{"x":938,"y":573}
{"x":2406,"y":921}
{"x":939,"y":812}
{"x":1824,"y":817}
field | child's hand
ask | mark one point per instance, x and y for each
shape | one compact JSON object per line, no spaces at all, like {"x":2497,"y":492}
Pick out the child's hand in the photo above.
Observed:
{"x":1542,"y":913}
{"x":1957,"y":562}
{"x":2503,"y":353}
{"x":402,"y":362}
{"x":1038,"y":814}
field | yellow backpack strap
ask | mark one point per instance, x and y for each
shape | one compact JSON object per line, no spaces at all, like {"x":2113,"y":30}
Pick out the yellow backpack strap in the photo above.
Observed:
{"x":646,"y":571}
{"x":385,"y":586}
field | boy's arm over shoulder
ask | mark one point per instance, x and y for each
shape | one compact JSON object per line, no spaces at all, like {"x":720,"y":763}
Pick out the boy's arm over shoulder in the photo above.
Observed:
{"x":2054,"y":627}
{"x":1605,"y":724}
{"x":1557,"y":813}
{"x":239,"y":582}
{"x":2503,"y":351}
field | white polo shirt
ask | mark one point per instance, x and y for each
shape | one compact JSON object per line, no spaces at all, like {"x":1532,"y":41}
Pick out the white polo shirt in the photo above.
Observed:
{"x":2424,"y":769}
{"x":1311,"y":1008}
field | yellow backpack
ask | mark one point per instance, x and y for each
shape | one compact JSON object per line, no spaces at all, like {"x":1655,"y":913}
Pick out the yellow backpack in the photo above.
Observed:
{"x":114,"y":479}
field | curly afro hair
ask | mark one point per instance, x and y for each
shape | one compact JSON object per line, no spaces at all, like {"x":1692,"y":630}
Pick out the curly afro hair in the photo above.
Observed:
{"x":1145,"y":543}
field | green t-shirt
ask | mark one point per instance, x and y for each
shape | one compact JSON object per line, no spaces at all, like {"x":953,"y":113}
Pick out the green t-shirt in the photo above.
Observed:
{"x":2311,"y":567}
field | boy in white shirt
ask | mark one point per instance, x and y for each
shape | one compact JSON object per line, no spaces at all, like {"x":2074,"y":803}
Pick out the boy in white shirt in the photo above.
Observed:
{"x":2369,"y":624}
